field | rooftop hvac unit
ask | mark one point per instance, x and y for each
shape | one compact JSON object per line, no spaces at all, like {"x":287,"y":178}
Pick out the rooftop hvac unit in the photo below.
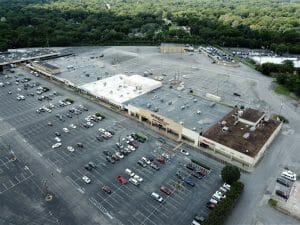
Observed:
{"x":181,"y":122}
{"x":225,"y":129}
{"x":194,"y":128}
{"x":195,"y":100}
{"x":266,"y":118}
{"x":199,"y":112}
{"x":182,"y":107}
{"x":170,"y":103}
{"x":252,"y":128}
{"x":223,"y":122}
{"x":240,"y":112}
{"x":235,"y":123}
{"x":246,"y":135}
{"x":148,"y":105}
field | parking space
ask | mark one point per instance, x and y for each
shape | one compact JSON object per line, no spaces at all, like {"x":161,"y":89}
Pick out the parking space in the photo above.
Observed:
{"x":81,"y":144}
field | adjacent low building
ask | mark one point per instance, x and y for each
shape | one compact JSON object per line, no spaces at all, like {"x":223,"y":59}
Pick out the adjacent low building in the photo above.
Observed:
{"x":46,"y":67}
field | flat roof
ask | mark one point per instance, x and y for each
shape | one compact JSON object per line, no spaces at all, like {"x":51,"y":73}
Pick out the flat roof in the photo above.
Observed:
{"x":233,"y":138}
{"x":252,"y":115}
{"x":47,"y":65}
{"x":121,"y":88}
{"x":181,"y":107}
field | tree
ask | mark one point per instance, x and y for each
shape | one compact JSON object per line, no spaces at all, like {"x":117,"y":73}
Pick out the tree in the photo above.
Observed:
{"x":230,"y":174}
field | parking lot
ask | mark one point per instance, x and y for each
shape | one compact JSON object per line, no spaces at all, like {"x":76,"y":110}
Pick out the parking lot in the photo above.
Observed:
{"x":127,"y":204}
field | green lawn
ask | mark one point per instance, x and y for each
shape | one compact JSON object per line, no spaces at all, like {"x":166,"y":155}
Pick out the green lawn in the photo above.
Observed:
{"x":280,"y":89}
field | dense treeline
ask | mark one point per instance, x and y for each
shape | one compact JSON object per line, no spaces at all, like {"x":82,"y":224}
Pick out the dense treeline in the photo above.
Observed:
{"x":285,"y":74}
{"x":256,"y":23}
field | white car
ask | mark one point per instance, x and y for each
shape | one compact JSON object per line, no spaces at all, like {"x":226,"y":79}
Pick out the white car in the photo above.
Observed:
{"x":129,"y":172}
{"x":70,"y":148}
{"x":90,"y":124}
{"x":219,"y":193}
{"x":101,"y":130}
{"x":290,"y":175}
{"x":66,"y":130}
{"x":48,"y":110}
{"x":226,"y":186}
{"x":57,"y":139}
{"x":146,"y":160}
{"x":88,"y":119}
{"x":185,"y":152}
{"x":134,"y":181}
{"x":73,"y":126}
{"x":131,"y":147}
{"x":138,"y":178}
{"x":120,"y":155}
{"x":56,"y":145}
{"x":86,"y":179}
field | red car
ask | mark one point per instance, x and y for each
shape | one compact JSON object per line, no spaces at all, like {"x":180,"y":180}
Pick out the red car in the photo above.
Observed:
{"x":210,"y":205}
{"x":121,"y":180}
{"x":161,"y":159}
{"x":107,"y":189}
{"x":165,"y":190}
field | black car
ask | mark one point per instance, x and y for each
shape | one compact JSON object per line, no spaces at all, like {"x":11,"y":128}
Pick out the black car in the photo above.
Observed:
{"x":141,"y":163}
{"x":85,"y":126}
{"x":79,"y":145}
{"x":57,"y":134}
{"x":69,"y":115}
{"x":236,"y":94}
{"x":197,"y":175}
{"x":88,"y":167}
{"x":190,"y":166}
{"x":154,"y":166}
{"x":111,"y":132}
{"x":92,"y":164}
{"x":110,"y":159}
{"x":282,"y":181}
{"x":282,"y":194}
{"x":107,"y":153}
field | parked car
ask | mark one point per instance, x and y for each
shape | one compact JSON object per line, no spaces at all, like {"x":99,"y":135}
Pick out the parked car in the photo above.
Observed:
{"x":99,"y":138}
{"x":86,"y":179}
{"x":121,"y":180}
{"x":129,"y":172}
{"x":70,"y":149}
{"x":154,"y":166}
{"x":189,"y":181}
{"x":210,"y":205}
{"x":110,"y":159}
{"x":134,"y":181}
{"x":56,"y":145}
{"x":57,"y":134}
{"x":282,"y":194}
{"x":142,"y":164}
{"x":185,"y":152}
{"x":157,"y":197}
{"x":57,"y":139}
{"x":165,"y":190}
{"x":106,"y":189}
{"x":161,"y":159}
{"x":79,"y":145}
{"x":146,"y":160}
{"x":87,"y":167}
{"x":283,"y":182}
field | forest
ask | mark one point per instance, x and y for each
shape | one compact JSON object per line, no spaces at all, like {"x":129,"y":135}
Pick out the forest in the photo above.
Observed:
{"x":272,"y":24}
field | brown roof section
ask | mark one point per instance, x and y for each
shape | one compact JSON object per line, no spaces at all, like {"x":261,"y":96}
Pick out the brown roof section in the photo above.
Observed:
{"x":252,"y":115}
{"x":233,"y":138}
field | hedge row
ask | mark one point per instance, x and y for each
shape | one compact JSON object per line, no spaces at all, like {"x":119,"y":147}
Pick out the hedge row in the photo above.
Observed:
{"x":220,"y":213}
{"x":200,"y":164}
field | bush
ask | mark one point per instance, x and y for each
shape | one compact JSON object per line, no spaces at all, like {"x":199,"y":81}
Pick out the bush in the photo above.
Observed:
{"x":98,"y":114}
{"x":69,"y":100}
{"x":230,"y":174}
{"x":219,"y":214}
{"x":200,"y":164}
{"x":272,"y":202}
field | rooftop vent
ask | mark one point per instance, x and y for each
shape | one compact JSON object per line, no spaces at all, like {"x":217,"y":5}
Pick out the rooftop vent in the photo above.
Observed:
{"x":182,"y":107}
{"x":252,"y":128}
{"x":246,"y":135}
{"x":225,"y":129}
{"x":199,"y":112}
{"x":181,"y":122}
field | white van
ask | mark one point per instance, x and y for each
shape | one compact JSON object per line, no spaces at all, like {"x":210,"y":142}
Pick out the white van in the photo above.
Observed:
{"x":157,"y":197}
{"x":290,"y":175}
